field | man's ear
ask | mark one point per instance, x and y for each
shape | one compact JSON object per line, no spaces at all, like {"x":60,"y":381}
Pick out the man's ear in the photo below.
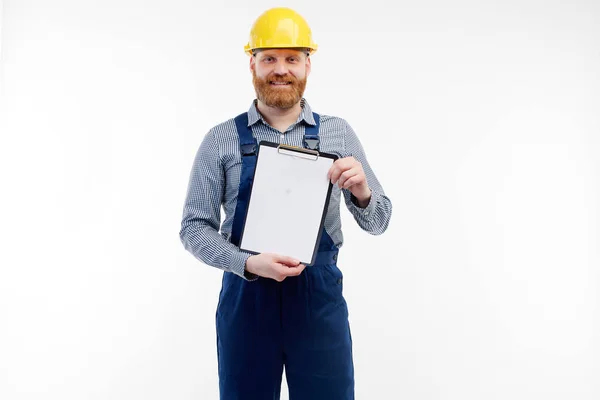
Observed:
{"x":252,"y":62}
{"x":308,"y":65}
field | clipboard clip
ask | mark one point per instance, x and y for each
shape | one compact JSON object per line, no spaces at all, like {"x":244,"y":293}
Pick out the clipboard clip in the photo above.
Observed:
{"x":290,"y":150}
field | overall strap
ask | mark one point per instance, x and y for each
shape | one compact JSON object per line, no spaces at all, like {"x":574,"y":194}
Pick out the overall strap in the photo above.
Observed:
{"x":248,"y":150}
{"x":311,"y":134}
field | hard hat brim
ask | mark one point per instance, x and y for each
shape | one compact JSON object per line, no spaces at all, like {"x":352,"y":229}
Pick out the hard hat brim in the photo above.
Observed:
{"x":250,"y":50}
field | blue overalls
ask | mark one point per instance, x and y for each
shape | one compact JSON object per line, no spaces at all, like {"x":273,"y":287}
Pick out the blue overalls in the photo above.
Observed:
{"x":301,"y":322}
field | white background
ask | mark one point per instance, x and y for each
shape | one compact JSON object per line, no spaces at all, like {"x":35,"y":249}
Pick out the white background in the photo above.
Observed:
{"x":481,"y":120}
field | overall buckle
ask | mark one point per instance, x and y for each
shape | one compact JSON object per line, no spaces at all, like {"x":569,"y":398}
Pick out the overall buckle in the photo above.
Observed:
{"x":248,"y":149}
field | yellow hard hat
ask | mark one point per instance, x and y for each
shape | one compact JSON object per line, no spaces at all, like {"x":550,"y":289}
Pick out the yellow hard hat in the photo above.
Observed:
{"x":280,"y":27}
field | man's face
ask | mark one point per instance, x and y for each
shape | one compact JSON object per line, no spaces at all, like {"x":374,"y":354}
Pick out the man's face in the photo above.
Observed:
{"x":279,"y":76}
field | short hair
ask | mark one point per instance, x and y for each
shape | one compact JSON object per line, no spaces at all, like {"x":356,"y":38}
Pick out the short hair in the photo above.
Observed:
{"x":301,"y":49}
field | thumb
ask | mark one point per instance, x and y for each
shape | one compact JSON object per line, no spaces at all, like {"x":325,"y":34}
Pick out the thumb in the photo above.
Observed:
{"x":288,"y":260}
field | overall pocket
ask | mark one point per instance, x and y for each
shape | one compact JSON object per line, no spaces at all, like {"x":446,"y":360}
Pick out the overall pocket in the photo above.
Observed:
{"x":333,"y":280}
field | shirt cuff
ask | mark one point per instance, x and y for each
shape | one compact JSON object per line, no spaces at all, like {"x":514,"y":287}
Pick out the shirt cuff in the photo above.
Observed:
{"x":368,"y":211}
{"x":237,"y":265}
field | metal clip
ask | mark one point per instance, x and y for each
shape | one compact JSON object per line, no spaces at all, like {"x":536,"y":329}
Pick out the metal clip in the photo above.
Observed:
{"x":312,"y":143}
{"x":248,"y":149}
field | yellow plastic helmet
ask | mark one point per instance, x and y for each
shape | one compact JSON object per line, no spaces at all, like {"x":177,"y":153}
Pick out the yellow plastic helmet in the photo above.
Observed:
{"x":280,"y":27}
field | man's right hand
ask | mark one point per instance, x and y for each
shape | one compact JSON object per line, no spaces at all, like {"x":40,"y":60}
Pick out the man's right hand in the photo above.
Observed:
{"x":274,"y":266}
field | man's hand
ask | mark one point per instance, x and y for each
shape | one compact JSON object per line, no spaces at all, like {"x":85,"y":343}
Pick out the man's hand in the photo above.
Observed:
{"x":274,"y":266}
{"x":349,"y":174}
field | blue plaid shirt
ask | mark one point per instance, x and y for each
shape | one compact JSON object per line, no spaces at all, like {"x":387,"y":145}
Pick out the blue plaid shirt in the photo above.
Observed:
{"x":215,"y":178}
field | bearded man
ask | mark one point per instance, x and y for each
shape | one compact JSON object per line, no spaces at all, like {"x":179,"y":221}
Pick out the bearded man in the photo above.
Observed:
{"x":273,"y":311}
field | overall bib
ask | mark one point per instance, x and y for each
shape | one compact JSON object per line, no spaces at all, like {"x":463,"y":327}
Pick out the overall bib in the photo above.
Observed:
{"x":301,"y":323}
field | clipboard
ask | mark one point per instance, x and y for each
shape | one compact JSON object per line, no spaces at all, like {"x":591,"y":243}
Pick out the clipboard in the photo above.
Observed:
{"x":289,"y":198}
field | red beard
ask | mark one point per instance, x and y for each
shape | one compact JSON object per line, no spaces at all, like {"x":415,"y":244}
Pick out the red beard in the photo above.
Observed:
{"x":279,"y":97}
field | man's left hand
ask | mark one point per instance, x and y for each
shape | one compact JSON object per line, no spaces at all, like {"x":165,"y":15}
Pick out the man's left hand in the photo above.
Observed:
{"x":349,"y":174}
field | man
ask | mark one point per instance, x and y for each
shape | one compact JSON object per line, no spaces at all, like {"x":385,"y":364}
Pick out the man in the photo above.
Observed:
{"x":273,"y":310}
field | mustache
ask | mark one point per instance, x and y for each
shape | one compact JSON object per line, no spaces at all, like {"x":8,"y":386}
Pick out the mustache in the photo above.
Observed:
{"x":281,"y":79}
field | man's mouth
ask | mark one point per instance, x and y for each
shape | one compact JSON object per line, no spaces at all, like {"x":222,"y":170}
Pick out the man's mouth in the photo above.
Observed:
{"x":280,"y":83}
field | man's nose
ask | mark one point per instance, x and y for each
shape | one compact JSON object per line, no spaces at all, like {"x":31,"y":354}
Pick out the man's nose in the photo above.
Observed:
{"x":280,"y":68}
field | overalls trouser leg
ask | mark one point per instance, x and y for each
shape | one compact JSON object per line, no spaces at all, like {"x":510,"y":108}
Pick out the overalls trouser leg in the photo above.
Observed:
{"x":301,"y":323}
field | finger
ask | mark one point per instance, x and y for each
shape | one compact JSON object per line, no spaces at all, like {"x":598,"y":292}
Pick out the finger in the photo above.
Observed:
{"x":337,"y":172}
{"x":295,"y":271}
{"x":283,"y":271}
{"x":279,"y":271}
{"x":340,"y":166}
{"x":347,"y":175}
{"x":344,"y":162}
{"x":332,"y":172}
{"x":287,"y":261}
{"x":355,"y":180}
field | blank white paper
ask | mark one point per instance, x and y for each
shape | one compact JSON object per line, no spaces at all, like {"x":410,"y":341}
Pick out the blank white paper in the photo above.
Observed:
{"x":286,"y":205}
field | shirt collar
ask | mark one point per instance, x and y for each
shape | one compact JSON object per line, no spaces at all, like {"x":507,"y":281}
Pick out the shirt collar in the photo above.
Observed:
{"x":306,"y":114}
